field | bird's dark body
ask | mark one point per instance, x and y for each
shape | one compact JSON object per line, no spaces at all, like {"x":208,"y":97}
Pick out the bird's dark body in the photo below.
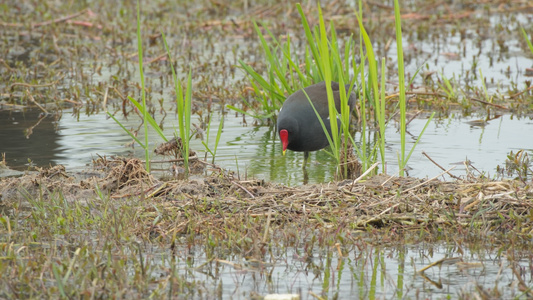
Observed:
{"x":299,"y":119}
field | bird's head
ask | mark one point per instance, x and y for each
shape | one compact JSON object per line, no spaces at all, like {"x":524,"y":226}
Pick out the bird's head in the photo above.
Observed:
{"x":288,"y":131}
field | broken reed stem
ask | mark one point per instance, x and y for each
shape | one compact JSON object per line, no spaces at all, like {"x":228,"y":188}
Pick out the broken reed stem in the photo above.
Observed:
{"x":265,"y":234}
{"x":426,"y":155}
{"x":372,"y":167}
{"x":429,"y":180}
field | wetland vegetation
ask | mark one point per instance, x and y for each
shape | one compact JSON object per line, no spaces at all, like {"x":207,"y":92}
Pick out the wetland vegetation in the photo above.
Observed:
{"x":118,"y":228}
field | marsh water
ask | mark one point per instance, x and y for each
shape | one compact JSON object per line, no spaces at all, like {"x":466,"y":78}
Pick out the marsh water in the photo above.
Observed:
{"x":461,"y":55}
{"x":255,"y":152}
{"x":369,"y":272}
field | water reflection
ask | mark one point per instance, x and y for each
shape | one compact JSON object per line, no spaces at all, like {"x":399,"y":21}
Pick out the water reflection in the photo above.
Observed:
{"x":255,"y":152}
{"x":28,"y":134}
{"x":364,"y":272}
{"x":83,"y":137}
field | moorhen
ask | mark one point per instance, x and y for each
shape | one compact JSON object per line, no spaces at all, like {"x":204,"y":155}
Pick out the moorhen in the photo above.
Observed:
{"x":298,"y":125}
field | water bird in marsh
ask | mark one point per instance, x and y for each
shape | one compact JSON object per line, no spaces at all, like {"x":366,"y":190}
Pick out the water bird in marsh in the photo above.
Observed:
{"x":298,"y":126}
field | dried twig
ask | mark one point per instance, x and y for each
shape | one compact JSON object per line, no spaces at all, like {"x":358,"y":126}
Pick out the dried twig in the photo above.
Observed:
{"x":35,"y":102}
{"x":364,"y":174}
{"x":488,"y":103}
{"x":520,"y":93}
{"x":244,"y":189}
{"x":429,"y":180}
{"x":426,"y":155}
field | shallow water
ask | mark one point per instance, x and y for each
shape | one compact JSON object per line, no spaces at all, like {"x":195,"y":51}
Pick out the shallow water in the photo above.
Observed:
{"x":255,"y":152}
{"x":368,"y":273}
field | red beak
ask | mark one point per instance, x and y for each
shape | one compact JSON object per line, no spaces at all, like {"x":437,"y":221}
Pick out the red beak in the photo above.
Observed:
{"x":284,"y":136}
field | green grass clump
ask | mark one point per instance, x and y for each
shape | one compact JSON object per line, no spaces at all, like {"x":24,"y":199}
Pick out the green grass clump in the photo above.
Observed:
{"x":183,"y":101}
{"x":379,"y":99}
{"x":288,"y":72}
{"x":324,"y":61}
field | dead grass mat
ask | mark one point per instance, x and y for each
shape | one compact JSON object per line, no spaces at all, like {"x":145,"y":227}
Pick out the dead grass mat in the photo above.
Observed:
{"x":380,"y":202}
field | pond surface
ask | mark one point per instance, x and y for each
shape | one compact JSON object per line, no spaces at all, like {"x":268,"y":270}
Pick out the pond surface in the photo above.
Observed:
{"x":368,"y":273}
{"x":255,"y":152}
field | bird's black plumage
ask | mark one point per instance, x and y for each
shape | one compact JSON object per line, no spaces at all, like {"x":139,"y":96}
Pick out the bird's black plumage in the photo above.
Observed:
{"x":298,"y":118}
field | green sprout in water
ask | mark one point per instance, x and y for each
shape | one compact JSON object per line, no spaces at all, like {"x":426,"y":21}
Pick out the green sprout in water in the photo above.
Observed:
{"x":213,"y":151}
{"x":183,"y":101}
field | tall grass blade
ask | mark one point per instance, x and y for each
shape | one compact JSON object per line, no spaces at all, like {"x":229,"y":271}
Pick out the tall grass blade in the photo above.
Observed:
{"x":403,"y":159}
{"x":183,"y":103}
{"x":186,"y":135}
{"x":310,"y":38}
{"x":148,"y":118}
{"x":373,"y":82}
{"x":326,"y":67}
{"x":528,"y":41}
{"x":380,"y":113}
{"x":219,"y":134}
{"x":143,"y":90}
{"x":126,"y":130}
{"x":401,"y":85}
{"x":324,"y":127}
{"x":419,"y":136}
